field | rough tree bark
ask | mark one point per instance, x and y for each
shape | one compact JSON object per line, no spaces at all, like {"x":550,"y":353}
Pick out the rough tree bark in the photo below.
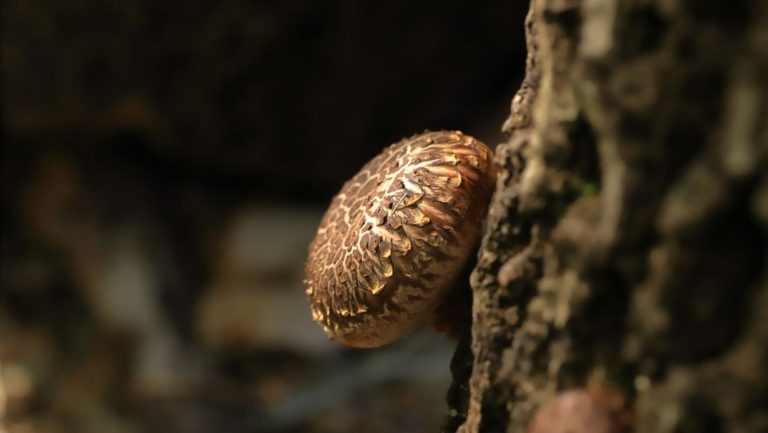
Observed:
{"x":625,"y":250}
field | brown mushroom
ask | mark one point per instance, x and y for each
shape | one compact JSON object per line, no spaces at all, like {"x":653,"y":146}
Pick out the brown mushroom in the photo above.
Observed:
{"x":583,"y":410}
{"x":395,"y":238}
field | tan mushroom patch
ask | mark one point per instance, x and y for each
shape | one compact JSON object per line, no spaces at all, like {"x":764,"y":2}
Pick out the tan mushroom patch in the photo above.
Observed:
{"x":396,"y":236}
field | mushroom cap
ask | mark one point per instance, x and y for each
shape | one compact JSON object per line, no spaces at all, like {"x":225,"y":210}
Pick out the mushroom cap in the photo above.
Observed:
{"x":395,"y":238}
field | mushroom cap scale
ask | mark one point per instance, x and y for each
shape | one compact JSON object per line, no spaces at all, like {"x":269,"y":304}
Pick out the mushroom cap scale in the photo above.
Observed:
{"x":395,"y":238}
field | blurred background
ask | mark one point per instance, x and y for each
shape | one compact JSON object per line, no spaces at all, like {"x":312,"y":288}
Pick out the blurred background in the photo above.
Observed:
{"x":164,"y":167}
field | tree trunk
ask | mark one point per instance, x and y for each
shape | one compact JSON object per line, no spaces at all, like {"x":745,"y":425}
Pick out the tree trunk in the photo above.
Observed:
{"x":621,"y":284}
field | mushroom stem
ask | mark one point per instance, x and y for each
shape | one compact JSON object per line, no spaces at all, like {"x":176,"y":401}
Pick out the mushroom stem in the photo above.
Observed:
{"x":453,"y":317}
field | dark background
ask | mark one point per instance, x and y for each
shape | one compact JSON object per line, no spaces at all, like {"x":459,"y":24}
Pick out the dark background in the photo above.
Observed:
{"x":165,"y":164}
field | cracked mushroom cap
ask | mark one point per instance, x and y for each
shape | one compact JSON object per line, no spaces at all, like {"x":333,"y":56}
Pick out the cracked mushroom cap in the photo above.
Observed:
{"x":396,"y":237}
